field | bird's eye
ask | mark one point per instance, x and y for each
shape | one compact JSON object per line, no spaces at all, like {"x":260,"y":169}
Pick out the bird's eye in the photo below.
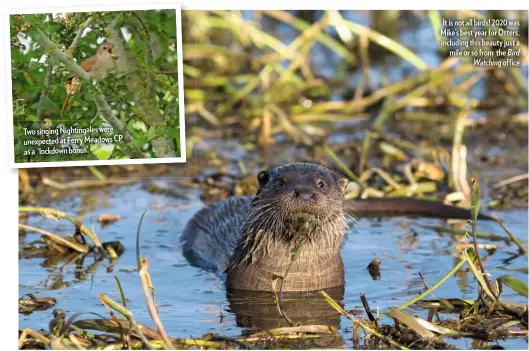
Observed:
{"x":321,"y":183}
{"x":280,"y":182}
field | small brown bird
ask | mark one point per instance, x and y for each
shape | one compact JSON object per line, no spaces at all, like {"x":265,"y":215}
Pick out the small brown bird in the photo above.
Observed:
{"x":98,"y":67}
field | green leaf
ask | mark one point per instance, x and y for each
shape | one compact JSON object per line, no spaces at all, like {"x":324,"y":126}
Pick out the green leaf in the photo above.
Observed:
{"x":139,"y":142}
{"x":138,"y":125}
{"x":120,"y":292}
{"x":515,"y":284}
{"x":173,"y":133}
{"x":102,"y":152}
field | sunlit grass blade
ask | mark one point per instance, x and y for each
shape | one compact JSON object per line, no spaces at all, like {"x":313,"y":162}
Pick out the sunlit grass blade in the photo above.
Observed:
{"x":515,"y":284}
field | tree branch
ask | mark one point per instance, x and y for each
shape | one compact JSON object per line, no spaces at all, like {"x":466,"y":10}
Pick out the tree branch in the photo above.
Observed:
{"x":54,"y":51}
{"x":78,"y":37}
{"x":99,"y":98}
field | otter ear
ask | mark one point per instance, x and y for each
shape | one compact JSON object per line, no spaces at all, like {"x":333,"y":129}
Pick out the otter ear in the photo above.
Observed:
{"x":263,"y":177}
{"x":342,"y":184}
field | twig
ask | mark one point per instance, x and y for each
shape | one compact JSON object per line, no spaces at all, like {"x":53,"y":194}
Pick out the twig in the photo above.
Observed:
{"x":54,"y":51}
{"x":145,"y":279}
{"x":108,"y":325}
{"x":424,"y":281}
{"x":511,"y":180}
{"x":151,"y":306}
{"x":280,"y":294}
{"x":367,"y":309}
{"x":120,"y":127}
{"x":79,"y":35}
{"x":56,"y":238}
{"x":49,"y":212}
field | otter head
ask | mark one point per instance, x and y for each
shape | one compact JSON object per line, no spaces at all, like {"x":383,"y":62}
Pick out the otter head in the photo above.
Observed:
{"x":298,"y":202}
{"x":301,"y":189}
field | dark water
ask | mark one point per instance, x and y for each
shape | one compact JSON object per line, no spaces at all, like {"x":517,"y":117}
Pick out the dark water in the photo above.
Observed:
{"x":191,"y":300}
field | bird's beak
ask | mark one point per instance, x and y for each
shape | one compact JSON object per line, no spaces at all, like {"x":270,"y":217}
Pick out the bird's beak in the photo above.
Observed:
{"x":112,"y":53}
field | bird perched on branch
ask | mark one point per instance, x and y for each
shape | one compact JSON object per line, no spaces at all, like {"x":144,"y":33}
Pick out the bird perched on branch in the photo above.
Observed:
{"x":98,"y":67}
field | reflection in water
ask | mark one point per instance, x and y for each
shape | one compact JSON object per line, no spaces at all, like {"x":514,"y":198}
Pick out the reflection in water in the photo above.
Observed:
{"x":58,"y":265}
{"x":259,"y":310}
{"x":374,"y":269}
{"x":256,"y":310}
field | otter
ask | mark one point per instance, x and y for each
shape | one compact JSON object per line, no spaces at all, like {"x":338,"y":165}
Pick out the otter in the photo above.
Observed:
{"x":290,"y":232}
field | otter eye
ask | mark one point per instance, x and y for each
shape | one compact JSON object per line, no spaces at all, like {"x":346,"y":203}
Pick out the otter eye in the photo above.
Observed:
{"x":262,"y":177}
{"x":321,"y":183}
{"x":280,"y":182}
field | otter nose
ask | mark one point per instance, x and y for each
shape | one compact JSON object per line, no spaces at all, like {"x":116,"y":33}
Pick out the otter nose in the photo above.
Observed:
{"x":304,"y":194}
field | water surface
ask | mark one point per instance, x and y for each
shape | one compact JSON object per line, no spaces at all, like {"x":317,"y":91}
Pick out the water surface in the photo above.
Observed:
{"x":192,"y":300}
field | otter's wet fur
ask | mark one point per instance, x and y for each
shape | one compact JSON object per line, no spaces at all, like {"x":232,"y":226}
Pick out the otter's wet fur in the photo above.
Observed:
{"x":295,"y":222}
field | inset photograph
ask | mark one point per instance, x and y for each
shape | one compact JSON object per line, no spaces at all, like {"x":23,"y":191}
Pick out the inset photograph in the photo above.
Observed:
{"x":96,"y":87}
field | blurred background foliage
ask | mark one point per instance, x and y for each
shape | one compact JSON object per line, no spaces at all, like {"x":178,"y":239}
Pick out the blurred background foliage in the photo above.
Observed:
{"x":287,"y":72}
{"x":374,"y":94}
{"x":38,"y":80}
